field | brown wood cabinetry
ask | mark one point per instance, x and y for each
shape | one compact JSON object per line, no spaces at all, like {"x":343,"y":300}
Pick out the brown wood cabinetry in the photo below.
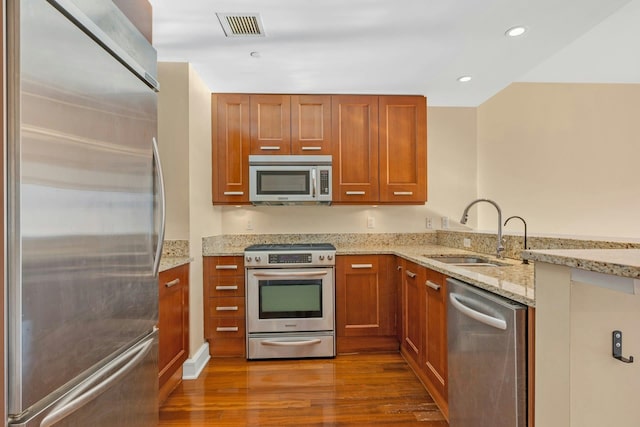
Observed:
{"x":173,"y":325}
{"x":224,"y":326}
{"x":230,"y":148}
{"x":270,"y":124}
{"x":365,"y":304}
{"x":355,"y":148}
{"x":311,"y":124}
{"x":413,"y":291}
{"x":434,"y":362}
{"x":403,"y":149}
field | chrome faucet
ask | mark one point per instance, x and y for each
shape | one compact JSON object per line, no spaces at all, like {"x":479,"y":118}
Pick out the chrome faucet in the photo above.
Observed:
{"x":465,"y":217}
{"x":524,"y":261}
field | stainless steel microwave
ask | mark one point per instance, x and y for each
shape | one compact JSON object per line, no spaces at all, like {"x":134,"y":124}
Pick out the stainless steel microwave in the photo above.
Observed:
{"x":283,"y":180}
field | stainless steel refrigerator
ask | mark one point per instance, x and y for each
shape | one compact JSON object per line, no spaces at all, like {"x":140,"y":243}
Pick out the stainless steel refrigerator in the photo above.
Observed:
{"x":84,"y":236}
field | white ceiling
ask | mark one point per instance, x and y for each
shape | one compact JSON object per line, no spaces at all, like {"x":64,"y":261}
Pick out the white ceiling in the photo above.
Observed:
{"x":402,"y":46}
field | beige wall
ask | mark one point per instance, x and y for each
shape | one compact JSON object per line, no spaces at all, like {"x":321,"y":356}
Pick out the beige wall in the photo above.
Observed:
{"x":563,"y":156}
{"x":185,"y":131}
{"x":451,"y":180}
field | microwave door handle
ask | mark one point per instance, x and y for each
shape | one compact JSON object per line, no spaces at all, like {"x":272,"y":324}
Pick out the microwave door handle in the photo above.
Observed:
{"x":313,"y":182}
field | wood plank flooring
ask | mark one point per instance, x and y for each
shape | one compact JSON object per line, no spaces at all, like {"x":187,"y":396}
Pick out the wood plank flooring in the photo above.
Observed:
{"x":371,"y":389}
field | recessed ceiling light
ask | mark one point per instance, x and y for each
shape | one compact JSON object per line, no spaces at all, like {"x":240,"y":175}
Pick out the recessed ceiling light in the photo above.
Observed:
{"x":255,"y":54}
{"x":464,"y":79}
{"x":515,"y":31}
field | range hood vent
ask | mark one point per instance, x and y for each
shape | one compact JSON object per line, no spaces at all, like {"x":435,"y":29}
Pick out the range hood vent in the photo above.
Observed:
{"x":241,"y":25}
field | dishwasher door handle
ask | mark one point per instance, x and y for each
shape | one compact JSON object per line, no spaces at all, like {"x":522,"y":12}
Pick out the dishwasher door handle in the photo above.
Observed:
{"x":476,"y":315}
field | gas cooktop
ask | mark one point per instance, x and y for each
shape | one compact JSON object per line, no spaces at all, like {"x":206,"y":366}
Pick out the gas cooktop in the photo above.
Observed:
{"x":291,"y":247}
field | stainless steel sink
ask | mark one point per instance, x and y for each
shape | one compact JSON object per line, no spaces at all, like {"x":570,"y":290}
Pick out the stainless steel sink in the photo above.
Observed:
{"x":467,"y":260}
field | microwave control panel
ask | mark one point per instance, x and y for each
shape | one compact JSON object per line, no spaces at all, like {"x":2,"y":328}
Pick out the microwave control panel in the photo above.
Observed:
{"x":324,"y":181}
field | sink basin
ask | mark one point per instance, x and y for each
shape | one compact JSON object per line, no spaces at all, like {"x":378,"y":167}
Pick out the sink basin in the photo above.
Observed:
{"x":467,"y":260}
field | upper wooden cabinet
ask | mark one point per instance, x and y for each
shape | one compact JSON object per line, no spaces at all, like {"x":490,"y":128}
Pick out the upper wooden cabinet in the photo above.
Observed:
{"x":403,"y":149}
{"x":230,"y":148}
{"x":355,"y":149}
{"x":296,"y":124}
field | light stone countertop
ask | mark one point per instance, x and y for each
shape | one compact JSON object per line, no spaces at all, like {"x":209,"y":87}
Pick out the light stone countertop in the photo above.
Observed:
{"x":169,"y":262}
{"x":619,"y":262}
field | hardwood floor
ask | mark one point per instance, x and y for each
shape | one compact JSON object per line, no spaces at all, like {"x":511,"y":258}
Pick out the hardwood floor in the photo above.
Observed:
{"x":378,"y":389}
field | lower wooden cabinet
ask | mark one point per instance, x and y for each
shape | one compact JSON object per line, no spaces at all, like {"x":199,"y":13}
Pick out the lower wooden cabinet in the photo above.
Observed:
{"x":413,"y":280}
{"x":173,"y":325}
{"x":224,"y":326}
{"x":365,"y":304}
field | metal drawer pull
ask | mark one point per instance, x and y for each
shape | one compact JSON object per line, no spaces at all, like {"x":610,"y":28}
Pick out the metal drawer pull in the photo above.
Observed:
{"x":433,"y":286}
{"x":361,"y":265}
{"x":227,"y":288}
{"x":403,"y":193}
{"x":291,"y":343}
{"x":233,"y":193}
{"x":227,"y":329}
{"x":410,"y":274}
{"x":226,"y":267}
{"x":354,"y":193}
{"x":232,"y":308}
{"x":311,"y":148}
{"x":172,"y":283}
{"x":269,"y":147}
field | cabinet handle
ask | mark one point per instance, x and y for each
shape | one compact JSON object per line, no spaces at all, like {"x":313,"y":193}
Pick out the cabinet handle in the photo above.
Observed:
{"x":354,"y":193}
{"x":433,"y":286}
{"x":361,"y":265}
{"x":411,"y":274}
{"x":403,"y":193}
{"x":233,"y":193}
{"x":227,"y":329}
{"x":399,"y":267}
{"x":311,"y":148}
{"x":227,"y":288}
{"x":233,"y":308}
{"x":172,"y":283}
{"x":269,"y":147}
{"x":226,"y":267}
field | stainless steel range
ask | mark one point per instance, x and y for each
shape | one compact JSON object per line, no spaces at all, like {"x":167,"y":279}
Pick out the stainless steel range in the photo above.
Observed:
{"x":290,"y":301}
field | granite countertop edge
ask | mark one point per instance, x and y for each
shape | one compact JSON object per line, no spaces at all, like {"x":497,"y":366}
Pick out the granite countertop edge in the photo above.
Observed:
{"x":167,"y":263}
{"x":514,"y":282}
{"x":618,"y":262}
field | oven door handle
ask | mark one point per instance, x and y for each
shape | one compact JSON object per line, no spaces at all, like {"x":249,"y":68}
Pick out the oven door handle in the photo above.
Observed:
{"x":291,"y":343}
{"x":286,"y":273}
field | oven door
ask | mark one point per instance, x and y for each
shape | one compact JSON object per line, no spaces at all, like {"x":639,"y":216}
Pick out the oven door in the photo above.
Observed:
{"x":290,"y":300}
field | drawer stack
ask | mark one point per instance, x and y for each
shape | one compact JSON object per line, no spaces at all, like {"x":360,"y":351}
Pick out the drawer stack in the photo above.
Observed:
{"x":224,"y":306}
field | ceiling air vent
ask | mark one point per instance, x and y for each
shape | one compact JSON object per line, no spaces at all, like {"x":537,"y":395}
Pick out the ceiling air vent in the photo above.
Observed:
{"x":241,"y":24}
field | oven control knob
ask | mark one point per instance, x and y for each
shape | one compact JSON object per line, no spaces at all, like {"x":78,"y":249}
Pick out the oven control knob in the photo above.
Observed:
{"x":321,"y":257}
{"x":329,"y":257}
{"x":257,"y":259}
{"x":248,"y":259}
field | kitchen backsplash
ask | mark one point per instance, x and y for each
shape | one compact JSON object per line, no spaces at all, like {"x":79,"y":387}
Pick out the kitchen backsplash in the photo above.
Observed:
{"x":486,"y":243}
{"x":175,"y":248}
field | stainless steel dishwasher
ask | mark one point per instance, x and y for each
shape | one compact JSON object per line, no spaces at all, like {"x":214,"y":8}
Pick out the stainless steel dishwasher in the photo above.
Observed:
{"x":486,"y":336}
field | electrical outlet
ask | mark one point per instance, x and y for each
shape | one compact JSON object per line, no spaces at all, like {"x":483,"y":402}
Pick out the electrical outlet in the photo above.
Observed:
{"x":371,"y":222}
{"x":249,"y":224}
{"x":429,"y":223}
{"x":466,"y":243}
{"x":445,"y":222}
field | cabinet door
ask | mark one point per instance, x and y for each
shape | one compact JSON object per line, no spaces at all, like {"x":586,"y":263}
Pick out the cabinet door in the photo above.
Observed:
{"x":413,"y":310}
{"x":173,"y":321}
{"x":403,"y":149}
{"x":435,"y":349}
{"x":270,"y":124}
{"x":355,"y":148}
{"x":365,"y":304}
{"x":230,"y":150}
{"x":311,"y":124}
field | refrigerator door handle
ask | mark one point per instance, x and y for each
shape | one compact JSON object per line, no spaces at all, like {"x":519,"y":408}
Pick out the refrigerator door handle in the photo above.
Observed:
{"x":81,"y":396}
{"x":160,"y":243}
{"x":476,"y":315}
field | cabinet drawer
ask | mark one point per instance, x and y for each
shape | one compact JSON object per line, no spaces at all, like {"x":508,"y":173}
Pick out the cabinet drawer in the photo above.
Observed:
{"x":224,"y":266}
{"x":227,"y":347}
{"x":173,"y":279}
{"x":226,"y":307}
{"x":226,"y":286}
{"x":226,"y":327}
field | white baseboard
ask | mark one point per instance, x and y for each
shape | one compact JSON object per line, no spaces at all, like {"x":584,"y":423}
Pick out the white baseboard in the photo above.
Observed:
{"x":193,"y":366}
